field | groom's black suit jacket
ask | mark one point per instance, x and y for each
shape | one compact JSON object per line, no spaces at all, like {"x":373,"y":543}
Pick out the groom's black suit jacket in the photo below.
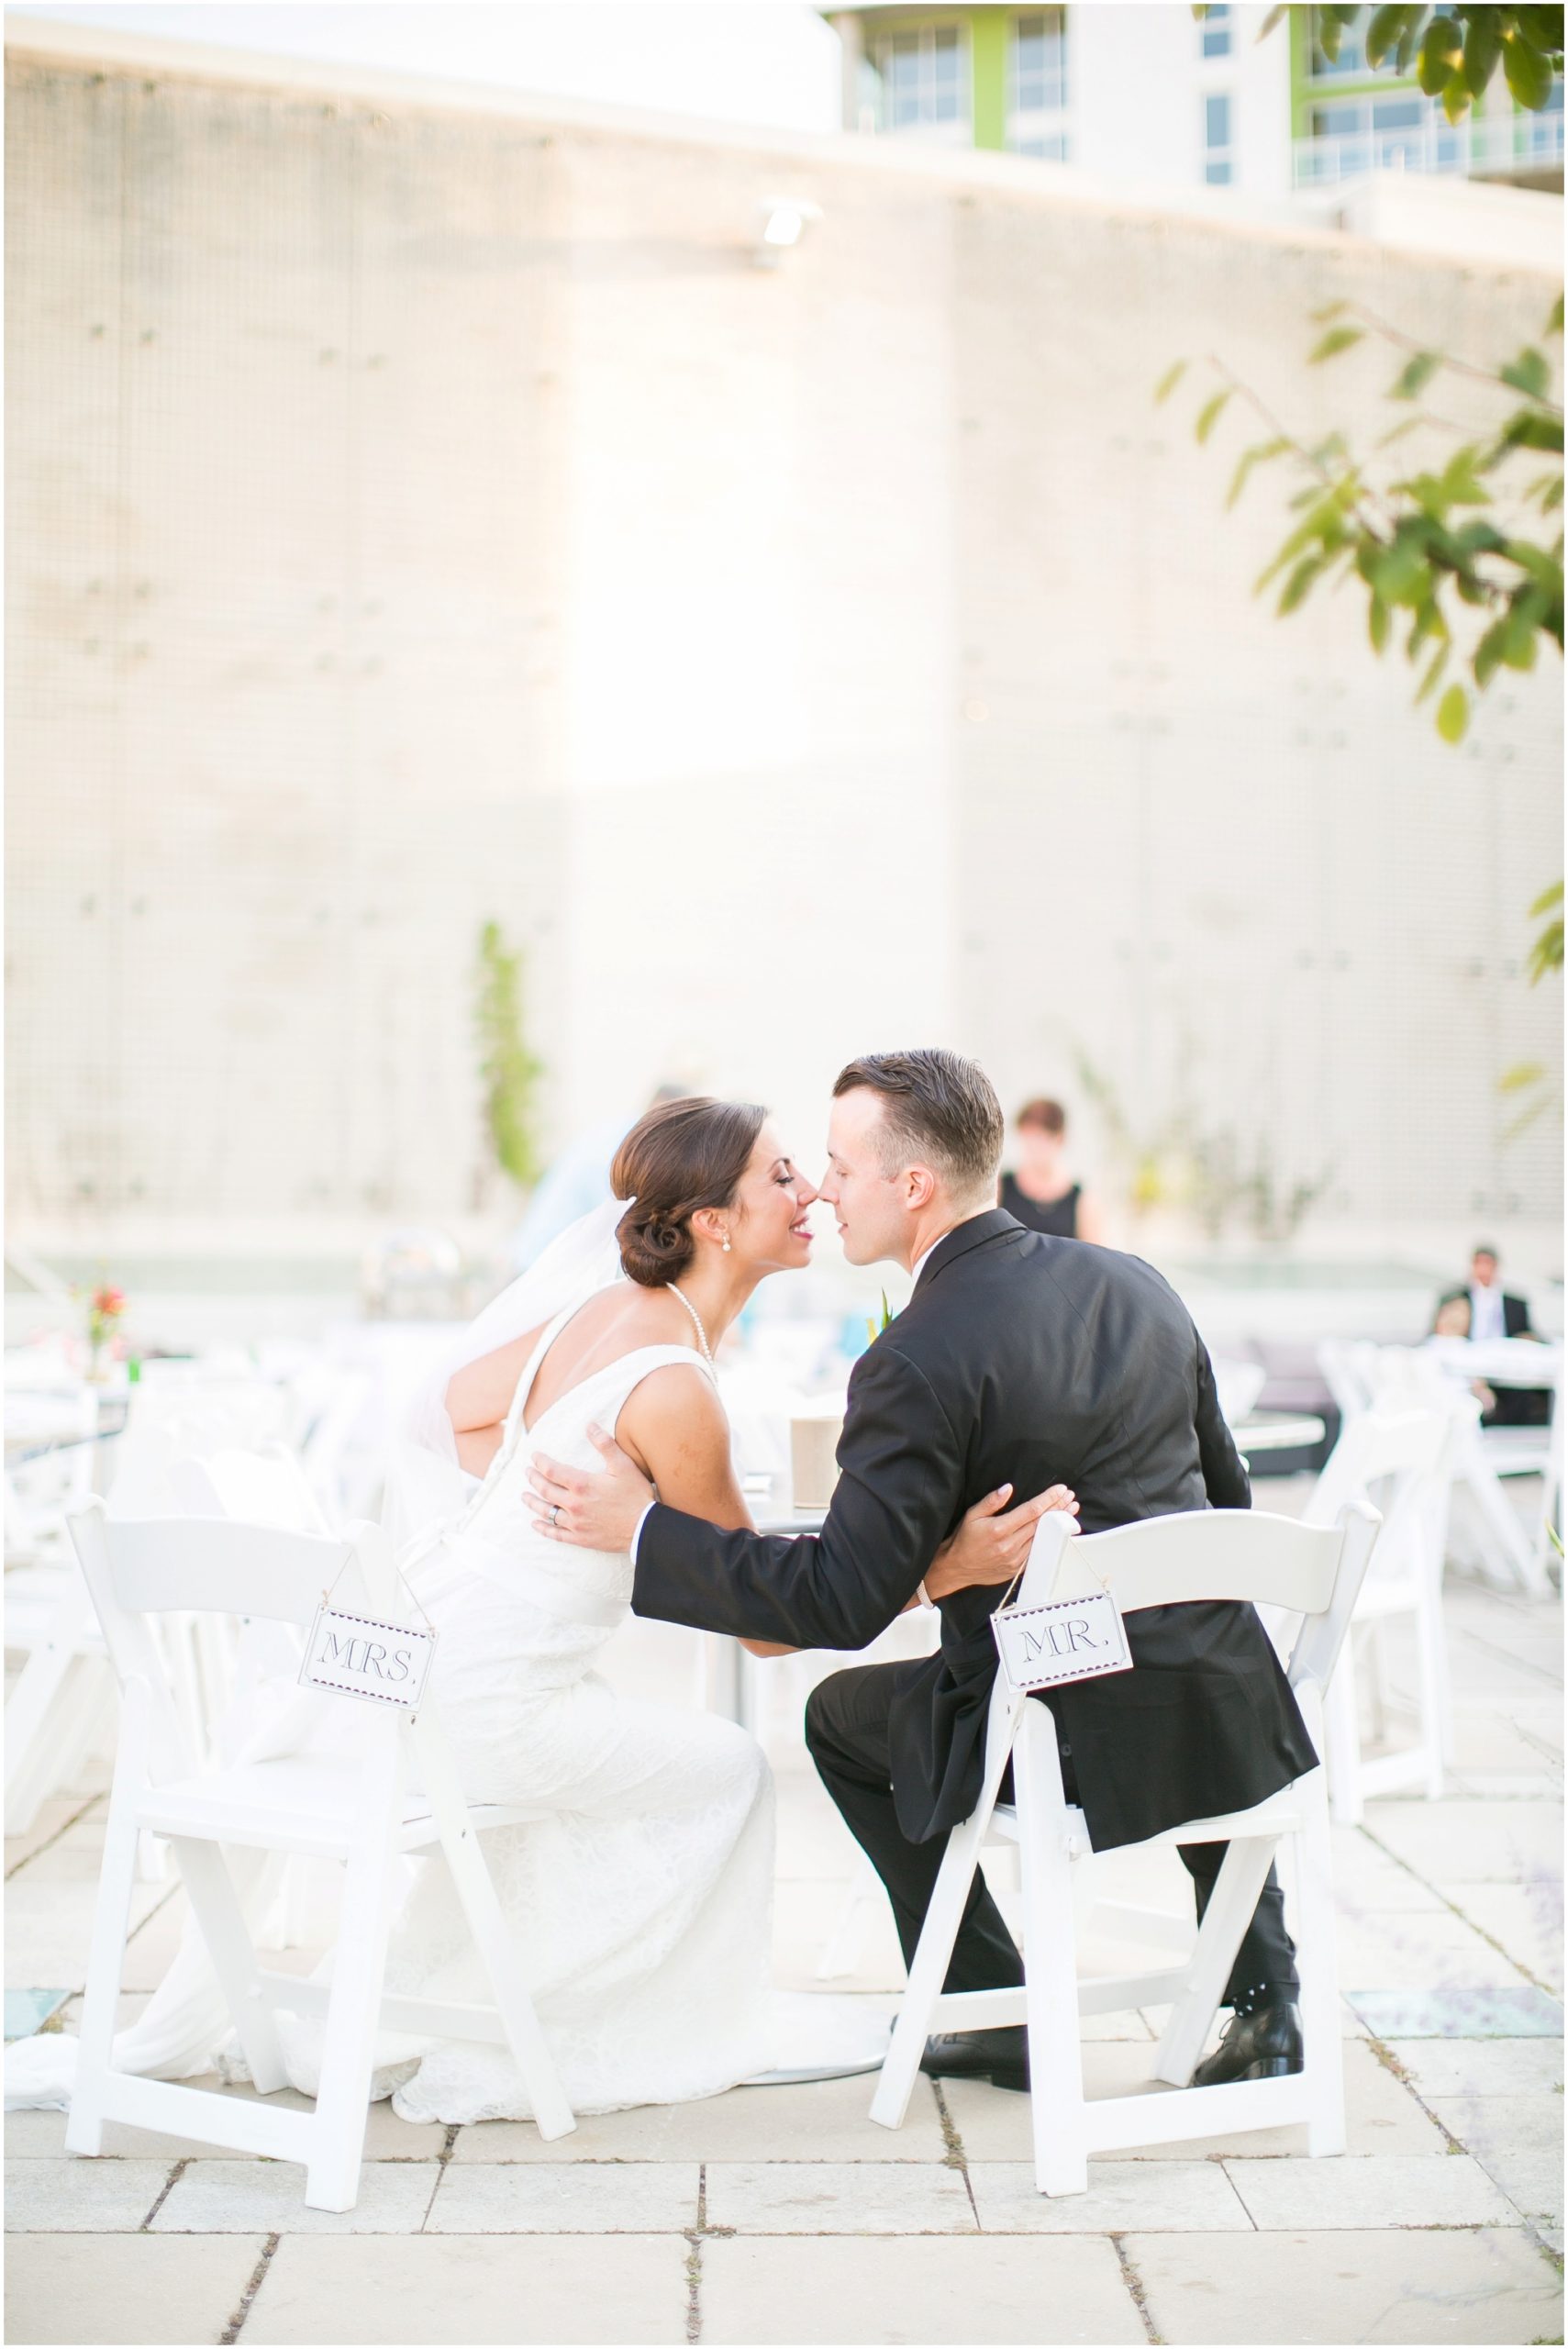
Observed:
{"x":1024,"y":1360}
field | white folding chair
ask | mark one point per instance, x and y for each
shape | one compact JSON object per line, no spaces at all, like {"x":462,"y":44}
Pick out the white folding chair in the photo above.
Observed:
{"x":1314,"y":1572}
{"x":361,"y":1813}
{"x":1403,"y":1462}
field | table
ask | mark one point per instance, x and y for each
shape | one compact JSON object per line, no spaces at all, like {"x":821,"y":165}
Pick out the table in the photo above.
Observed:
{"x":1278,"y":1431}
{"x":1487,"y":1454}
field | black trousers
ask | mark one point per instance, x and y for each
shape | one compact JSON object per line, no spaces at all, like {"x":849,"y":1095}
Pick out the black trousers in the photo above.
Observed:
{"x":847,"y":1734}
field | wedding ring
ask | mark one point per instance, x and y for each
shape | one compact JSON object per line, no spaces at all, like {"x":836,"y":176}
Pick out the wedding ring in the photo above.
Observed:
{"x":555,"y":1512}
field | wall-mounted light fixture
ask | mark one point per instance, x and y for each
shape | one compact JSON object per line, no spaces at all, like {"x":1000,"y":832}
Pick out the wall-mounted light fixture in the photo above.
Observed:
{"x":782,"y":220}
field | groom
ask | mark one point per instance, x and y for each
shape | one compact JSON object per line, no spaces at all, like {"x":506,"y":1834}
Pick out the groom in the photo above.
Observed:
{"x":1020,"y":1359}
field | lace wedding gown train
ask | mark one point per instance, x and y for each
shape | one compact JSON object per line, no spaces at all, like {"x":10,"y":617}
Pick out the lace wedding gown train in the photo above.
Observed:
{"x":639,"y":1899}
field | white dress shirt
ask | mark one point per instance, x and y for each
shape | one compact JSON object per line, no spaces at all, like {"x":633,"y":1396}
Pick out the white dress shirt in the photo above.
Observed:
{"x":1485,"y":1314}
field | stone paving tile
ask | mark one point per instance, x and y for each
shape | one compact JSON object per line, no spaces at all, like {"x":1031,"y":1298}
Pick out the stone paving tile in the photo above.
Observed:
{"x":1527,"y":1918}
{"x":53,"y":1816}
{"x":1368,"y":1881}
{"x":1494,"y":2013}
{"x":1431,"y":1950}
{"x":50,"y":1926}
{"x":1382,"y":2115}
{"x":919,"y":2288}
{"x":1369,"y":2190}
{"x":81,"y":2198}
{"x":126,"y":2287}
{"x":1189,"y":2196}
{"x":1518,"y":2140}
{"x":567,"y":2198}
{"x":214,"y":2198}
{"x":387,"y":2138}
{"x":1464,"y":2286}
{"x":825,"y":2122}
{"x":1471,"y":1842}
{"x":837,"y":2198}
{"x":1480,"y":2066}
{"x":474,"y":2289}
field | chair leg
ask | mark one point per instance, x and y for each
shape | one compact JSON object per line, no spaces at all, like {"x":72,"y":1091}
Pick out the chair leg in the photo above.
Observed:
{"x":1342,"y":1738}
{"x":51,"y":1715}
{"x":1431,"y":1666}
{"x":553,"y":2115}
{"x":1325,"y":2063}
{"x":217,"y":1911}
{"x":927,"y":1973}
{"x":1050,"y":1978}
{"x":111,"y":1923}
{"x":1242,"y":1875}
{"x":353,"y":2010}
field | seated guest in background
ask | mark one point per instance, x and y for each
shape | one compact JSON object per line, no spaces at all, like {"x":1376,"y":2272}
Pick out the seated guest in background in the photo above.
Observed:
{"x":1042,"y":1194}
{"x":1489,"y":1314}
{"x":1452,"y":1320}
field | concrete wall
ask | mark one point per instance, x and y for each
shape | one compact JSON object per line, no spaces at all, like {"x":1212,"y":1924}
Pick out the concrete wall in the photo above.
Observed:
{"x":423,"y":512}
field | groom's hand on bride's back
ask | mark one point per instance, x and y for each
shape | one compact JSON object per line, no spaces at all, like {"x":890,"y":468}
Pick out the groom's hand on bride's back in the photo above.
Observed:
{"x":992,"y":1541}
{"x":591,"y":1512}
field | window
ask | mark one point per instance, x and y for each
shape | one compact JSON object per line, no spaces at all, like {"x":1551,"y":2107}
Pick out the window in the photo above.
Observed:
{"x":1216,"y":28}
{"x":922,"y":75}
{"x":1037,"y":85}
{"x":1351,"y":62}
{"x":1408,"y":133}
{"x":1217,"y":154}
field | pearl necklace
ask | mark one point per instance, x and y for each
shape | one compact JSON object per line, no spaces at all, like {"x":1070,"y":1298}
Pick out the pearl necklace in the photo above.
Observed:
{"x":696,"y":1324}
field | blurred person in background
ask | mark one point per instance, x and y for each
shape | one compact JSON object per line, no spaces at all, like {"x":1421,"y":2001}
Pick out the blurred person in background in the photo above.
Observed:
{"x":1489,"y":1314}
{"x":1043,"y":1193}
{"x":578,"y":1181}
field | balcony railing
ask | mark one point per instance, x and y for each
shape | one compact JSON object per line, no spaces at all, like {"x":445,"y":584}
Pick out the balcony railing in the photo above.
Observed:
{"x":1491,"y":147}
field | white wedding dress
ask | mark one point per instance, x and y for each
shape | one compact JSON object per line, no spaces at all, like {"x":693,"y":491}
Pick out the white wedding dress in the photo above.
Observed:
{"x":639,"y":1899}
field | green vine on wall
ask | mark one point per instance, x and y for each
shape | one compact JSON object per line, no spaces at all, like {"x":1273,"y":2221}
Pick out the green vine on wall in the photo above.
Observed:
{"x":509,"y":1073}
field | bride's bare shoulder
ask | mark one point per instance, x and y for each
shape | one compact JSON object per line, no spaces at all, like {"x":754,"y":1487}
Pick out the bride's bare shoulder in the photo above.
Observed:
{"x":629,"y":1316}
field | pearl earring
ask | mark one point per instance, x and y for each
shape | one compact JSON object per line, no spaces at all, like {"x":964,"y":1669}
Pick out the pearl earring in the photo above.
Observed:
{"x":727,"y":1244}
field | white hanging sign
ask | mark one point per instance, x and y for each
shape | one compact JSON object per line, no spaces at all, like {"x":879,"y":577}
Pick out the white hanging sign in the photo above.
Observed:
{"x":1071,"y":1639}
{"x":365,"y":1656}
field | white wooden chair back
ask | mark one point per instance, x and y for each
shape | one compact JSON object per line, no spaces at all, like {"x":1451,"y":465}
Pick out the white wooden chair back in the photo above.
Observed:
{"x":265,"y":1487}
{"x":1348,"y":1366}
{"x":1312,"y":1571}
{"x":352,"y":1805}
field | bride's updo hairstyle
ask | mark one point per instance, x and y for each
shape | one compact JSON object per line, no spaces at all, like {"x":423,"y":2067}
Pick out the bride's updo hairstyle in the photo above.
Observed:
{"x":681,"y":1157}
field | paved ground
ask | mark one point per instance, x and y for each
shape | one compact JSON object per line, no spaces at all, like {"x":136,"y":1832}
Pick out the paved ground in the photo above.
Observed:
{"x":783,"y":2215}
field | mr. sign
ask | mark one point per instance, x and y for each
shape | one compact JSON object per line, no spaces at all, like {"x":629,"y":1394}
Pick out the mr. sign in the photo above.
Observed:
{"x":1072,"y":1639}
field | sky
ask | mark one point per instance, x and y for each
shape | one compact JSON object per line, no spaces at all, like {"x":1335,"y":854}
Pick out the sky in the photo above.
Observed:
{"x":769,"y":62}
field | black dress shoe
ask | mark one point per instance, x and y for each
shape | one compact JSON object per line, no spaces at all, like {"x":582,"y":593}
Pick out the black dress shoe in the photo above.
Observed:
{"x":1000,"y":2056}
{"x":1264,"y":2045}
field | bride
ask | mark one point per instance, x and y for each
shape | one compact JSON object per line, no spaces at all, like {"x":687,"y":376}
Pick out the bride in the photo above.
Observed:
{"x":639,"y":1897}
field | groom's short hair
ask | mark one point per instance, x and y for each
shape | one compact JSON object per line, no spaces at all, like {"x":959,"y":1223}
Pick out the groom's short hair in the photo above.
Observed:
{"x":935,"y":1107}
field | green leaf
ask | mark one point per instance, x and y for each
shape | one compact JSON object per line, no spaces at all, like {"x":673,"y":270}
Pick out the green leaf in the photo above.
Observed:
{"x":1209,"y":416}
{"x":1530,"y":429}
{"x":1521,"y":1077}
{"x":1402,"y":571}
{"x":1440,"y":52}
{"x":1453,"y":714}
{"x":1382,"y":34}
{"x":1397,"y":431}
{"x":1263,"y":453}
{"x":1169,"y":381}
{"x":1438,"y":663}
{"x":1527,"y":73}
{"x":1461,"y":484}
{"x":1554,"y":320}
{"x":1547,"y":899}
{"x":1552,"y":498}
{"x":1545,"y":569}
{"x":1299,"y":585}
{"x":1338,"y":339}
{"x":1329,"y":310}
{"x":1528,"y":374}
{"x":1417,"y":374}
{"x":1456,"y":99}
{"x":1275,"y":17}
{"x":1489,"y":653}
{"x":1481,"y":45}
{"x":1377,"y":623}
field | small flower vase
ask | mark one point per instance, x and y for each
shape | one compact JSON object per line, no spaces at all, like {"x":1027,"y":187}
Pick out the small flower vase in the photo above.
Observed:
{"x":98,"y":1362}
